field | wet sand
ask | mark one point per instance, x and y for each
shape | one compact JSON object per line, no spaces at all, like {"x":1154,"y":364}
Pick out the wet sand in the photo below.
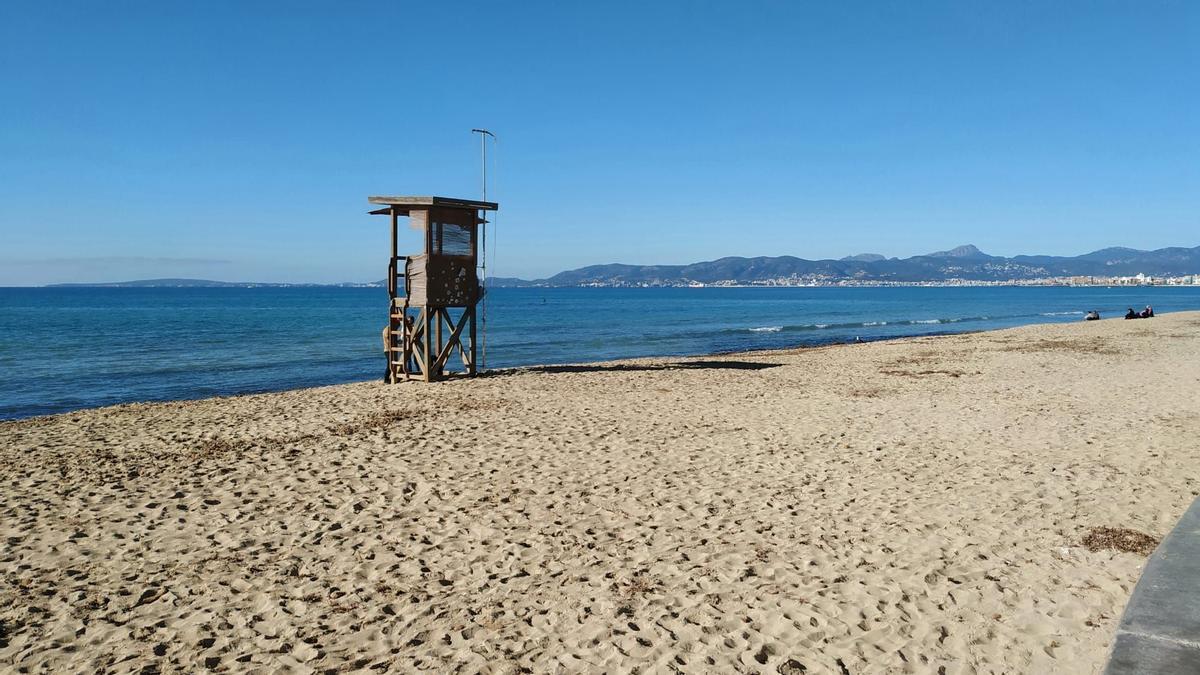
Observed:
{"x":904,"y":506}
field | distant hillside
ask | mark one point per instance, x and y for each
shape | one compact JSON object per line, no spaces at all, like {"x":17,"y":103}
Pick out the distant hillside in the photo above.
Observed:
{"x":967,"y":252}
{"x":202,"y":283}
{"x":509,"y":282}
{"x":964,"y":262}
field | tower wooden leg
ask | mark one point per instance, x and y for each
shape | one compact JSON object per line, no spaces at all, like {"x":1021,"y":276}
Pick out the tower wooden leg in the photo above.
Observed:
{"x":430,"y":355}
{"x":472,"y":370}
{"x":440,"y":371}
{"x":388,"y":354}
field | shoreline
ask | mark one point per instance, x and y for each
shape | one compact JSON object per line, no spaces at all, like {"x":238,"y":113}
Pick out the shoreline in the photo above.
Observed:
{"x":508,"y":370}
{"x":493,"y":372}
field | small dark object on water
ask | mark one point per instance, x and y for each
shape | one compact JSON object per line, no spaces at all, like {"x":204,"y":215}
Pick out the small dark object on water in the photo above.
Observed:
{"x":1092,"y":316}
{"x":858,"y":340}
{"x":1119,"y":539}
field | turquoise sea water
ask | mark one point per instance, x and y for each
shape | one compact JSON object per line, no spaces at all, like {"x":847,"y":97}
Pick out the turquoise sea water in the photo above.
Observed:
{"x":68,"y":348}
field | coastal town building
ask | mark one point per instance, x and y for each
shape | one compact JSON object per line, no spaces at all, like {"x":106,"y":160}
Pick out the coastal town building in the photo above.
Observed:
{"x":818,"y":280}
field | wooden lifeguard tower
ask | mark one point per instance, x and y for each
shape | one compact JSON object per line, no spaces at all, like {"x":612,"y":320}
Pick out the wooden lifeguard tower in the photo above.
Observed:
{"x":426,"y":291}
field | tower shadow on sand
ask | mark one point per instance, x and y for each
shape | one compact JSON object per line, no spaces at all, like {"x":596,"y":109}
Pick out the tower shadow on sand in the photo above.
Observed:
{"x":639,"y":367}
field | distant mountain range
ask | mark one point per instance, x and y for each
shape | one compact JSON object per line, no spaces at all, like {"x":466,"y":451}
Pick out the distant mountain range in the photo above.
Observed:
{"x":202,"y":283}
{"x":964,"y":262}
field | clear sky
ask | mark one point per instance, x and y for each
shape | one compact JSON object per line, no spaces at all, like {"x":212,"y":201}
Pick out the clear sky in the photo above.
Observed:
{"x":240,"y":140}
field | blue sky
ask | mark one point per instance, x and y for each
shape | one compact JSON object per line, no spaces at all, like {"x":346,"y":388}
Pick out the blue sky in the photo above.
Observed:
{"x":239,"y":141}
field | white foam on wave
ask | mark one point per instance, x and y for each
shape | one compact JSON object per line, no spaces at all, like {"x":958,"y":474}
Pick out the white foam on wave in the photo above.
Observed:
{"x":766,"y":329}
{"x":928,"y":321}
{"x":820,"y":325}
{"x":875,"y":323}
{"x":1060,"y":313}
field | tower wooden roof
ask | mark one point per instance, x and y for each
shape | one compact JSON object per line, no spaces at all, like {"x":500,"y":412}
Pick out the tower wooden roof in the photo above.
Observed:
{"x":401,"y":205}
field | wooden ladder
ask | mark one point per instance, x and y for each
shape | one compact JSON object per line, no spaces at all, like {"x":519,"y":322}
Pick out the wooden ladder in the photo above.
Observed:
{"x":398,"y":341}
{"x":400,"y":334}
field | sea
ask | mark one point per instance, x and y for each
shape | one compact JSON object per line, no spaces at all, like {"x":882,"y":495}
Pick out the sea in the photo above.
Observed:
{"x":63,"y":349}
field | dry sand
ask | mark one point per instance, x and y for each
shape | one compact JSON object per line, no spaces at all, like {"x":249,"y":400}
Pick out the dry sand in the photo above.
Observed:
{"x":908,"y":506}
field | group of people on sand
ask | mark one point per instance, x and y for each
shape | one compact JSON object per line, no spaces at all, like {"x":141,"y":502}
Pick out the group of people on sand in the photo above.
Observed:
{"x":1147,"y":313}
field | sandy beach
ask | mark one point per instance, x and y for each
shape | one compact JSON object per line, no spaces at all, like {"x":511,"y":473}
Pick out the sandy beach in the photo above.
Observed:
{"x":908,"y":506}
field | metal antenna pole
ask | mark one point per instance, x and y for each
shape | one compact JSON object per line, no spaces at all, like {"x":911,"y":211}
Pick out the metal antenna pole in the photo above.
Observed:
{"x":483,"y":134}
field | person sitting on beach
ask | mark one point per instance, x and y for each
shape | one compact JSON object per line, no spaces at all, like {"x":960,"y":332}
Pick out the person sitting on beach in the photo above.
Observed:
{"x":1131,"y":314}
{"x":1092,"y":316}
{"x":1148,"y":313}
